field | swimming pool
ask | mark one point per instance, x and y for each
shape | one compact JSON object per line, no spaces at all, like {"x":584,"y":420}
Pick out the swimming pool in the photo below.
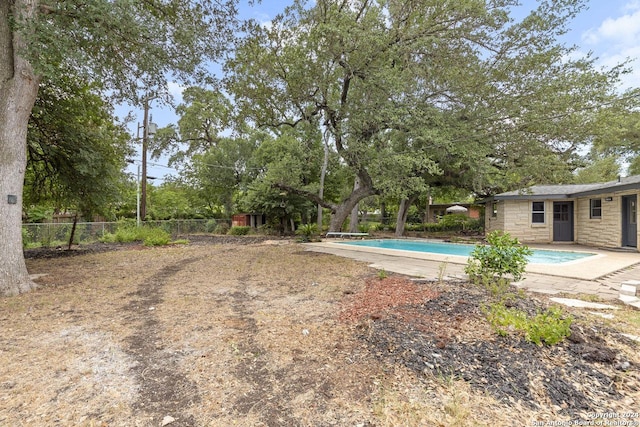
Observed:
{"x":539,"y":256}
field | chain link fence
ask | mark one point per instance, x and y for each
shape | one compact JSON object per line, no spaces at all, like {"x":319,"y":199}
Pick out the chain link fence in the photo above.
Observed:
{"x":56,"y":234}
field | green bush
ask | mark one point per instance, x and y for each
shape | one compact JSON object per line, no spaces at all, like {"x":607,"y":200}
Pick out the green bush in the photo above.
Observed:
{"x":364,"y":228}
{"x":155,"y":236}
{"x":502,"y":256}
{"x":307,"y":232}
{"x":222,"y":228}
{"x":453,"y":221}
{"x":149,"y":236}
{"x":549,"y":327}
{"x":239,"y":230}
{"x":26,"y":238}
{"x":211,"y":225}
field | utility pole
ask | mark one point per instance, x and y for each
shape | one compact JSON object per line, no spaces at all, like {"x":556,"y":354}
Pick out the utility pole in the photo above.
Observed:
{"x":138,"y":199}
{"x":145,"y":141}
{"x":148,"y":129}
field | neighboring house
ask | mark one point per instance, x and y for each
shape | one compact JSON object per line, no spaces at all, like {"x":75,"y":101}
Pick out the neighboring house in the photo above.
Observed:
{"x":437,"y":211}
{"x":603,"y":214}
{"x":253,"y":220}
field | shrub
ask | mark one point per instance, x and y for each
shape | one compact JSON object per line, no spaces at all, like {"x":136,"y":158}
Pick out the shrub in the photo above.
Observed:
{"x":307,"y":232}
{"x":154,"y":236}
{"x":239,"y":230}
{"x":549,"y":327}
{"x":25,"y":238}
{"x":502,"y":256}
{"x":149,"y":236}
{"x":222,"y":228}
{"x":211,"y":226}
{"x":453,"y":221}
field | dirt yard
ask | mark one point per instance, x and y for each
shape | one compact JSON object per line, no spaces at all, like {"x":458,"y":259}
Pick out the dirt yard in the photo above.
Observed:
{"x":254,"y":332}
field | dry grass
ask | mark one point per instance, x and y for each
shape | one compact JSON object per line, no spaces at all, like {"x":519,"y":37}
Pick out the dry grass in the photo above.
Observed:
{"x":212,"y":336}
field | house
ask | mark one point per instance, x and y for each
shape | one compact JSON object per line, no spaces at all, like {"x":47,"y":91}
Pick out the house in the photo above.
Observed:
{"x":253,"y":220}
{"x":602,"y":214}
{"x":437,"y":211}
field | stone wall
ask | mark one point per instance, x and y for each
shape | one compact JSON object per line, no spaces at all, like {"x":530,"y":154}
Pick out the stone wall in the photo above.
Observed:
{"x":514,"y":217}
{"x":605,"y":231}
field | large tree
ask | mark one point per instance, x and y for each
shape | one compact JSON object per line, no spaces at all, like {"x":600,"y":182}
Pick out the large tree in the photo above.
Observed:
{"x":76,"y":150}
{"x":129,"y":47}
{"x":477,"y":98}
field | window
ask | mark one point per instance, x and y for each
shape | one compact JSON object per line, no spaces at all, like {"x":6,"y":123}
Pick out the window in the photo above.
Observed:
{"x":537,"y":212}
{"x":596,"y":208}
{"x":494,"y":209}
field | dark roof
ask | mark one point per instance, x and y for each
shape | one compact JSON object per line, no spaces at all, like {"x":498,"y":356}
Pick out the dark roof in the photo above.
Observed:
{"x":571,"y":190}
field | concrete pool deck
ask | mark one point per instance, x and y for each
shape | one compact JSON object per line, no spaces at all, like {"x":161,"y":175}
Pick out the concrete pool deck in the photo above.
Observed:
{"x":600,"y":274}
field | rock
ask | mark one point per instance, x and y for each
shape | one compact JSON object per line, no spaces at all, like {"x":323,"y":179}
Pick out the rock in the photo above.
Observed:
{"x":167,"y":420}
{"x":623,"y":366}
{"x":576,"y":336}
{"x":583,"y":304}
{"x":593,"y":354}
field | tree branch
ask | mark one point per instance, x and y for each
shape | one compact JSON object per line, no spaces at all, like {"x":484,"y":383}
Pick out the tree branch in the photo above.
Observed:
{"x":307,"y":195}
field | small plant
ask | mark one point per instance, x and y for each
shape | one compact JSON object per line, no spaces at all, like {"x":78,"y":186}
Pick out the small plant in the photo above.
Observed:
{"x":180,"y":242}
{"x":548,"y":327}
{"x":382,"y":274}
{"x":364,"y":228}
{"x":221,"y":228}
{"x":154,"y":236}
{"x":502,"y":256}
{"x":307,"y":232}
{"x":442,"y":268}
{"x":239,"y":230}
{"x":211,"y":225}
{"x":149,"y":236}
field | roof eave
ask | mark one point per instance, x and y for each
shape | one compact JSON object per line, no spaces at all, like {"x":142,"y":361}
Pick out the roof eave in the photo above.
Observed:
{"x":611,"y":189}
{"x":532,"y":197}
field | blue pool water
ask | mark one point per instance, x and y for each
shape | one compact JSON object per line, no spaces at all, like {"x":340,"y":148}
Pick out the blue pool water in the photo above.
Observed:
{"x":539,"y":256}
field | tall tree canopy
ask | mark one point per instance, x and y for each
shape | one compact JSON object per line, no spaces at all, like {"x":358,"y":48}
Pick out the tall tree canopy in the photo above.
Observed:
{"x":75,"y":151}
{"x":128,"y":47}
{"x":424,"y":91}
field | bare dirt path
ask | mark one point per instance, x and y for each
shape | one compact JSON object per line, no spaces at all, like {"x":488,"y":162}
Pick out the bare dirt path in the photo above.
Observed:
{"x":262,"y":333}
{"x":163,"y":387}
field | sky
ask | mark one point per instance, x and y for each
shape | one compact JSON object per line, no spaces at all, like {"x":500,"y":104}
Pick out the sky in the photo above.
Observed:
{"x":610,"y":29}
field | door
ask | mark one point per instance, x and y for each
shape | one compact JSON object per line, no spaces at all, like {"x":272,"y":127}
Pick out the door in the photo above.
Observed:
{"x":563,"y":221}
{"x":630,"y":221}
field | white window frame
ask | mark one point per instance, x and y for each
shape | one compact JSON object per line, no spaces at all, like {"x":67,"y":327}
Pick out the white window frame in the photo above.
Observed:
{"x":535,"y":213}
{"x":593,"y":208}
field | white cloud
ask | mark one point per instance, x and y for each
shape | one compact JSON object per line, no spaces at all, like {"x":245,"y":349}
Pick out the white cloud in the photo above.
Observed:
{"x":617,"y":39}
{"x":175,"y":90}
{"x":623,"y":30}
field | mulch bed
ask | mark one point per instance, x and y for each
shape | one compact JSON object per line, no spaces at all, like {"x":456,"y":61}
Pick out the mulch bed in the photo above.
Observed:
{"x":439,"y":329}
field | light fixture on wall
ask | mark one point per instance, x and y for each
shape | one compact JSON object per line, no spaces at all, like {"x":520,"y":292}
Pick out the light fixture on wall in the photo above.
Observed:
{"x":608,"y":199}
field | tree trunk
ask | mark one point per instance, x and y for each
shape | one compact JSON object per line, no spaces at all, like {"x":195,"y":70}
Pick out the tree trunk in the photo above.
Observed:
{"x":323,"y":173}
{"x":73,"y":231}
{"x":339,"y":215}
{"x":403,"y":212}
{"x":353,"y":222}
{"x":18,"y":90}
{"x":383,"y":213}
